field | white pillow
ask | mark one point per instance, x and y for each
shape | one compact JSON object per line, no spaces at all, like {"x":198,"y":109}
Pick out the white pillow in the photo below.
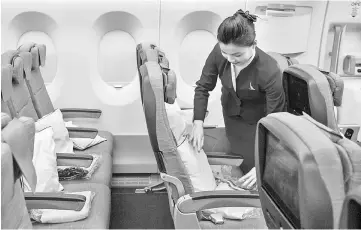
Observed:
{"x":44,"y":160}
{"x":198,"y":168}
{"x":196,"y":163}
{"x":63,"y":144}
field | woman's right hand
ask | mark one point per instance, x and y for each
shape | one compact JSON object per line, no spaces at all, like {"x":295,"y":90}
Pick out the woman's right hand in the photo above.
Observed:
{"x":196,"y":136}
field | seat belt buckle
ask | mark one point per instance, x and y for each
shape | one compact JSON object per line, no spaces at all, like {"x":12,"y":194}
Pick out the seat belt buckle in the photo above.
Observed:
{"x":217,"y":218}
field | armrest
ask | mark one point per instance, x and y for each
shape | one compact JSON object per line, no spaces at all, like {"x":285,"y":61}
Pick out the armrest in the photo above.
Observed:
{"x":80,"y":113}
{"x":186,"y":108}
{"x":51,"y":200}
{"x":71,"y":159}
{"x":80,"y":132}
{"x":219,"y":158}
{"x":209,"y":126}
{"x":216,"y":199}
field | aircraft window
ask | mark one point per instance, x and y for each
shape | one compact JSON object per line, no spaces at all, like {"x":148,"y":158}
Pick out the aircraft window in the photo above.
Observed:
{"x":50,"y":68}
{"x":280,"y":178}
{"x":194,"y":51}
{"x":117,"y":60}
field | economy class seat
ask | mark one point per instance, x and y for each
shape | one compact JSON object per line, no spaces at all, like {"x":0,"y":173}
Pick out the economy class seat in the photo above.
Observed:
{"x":43,"y":104}
{"x":186,"y":204}
{"x":313,"y":91}
{"x":17,"y":101}
{"x":303,"y":179}
{"x":215,"y":140}
{"x":15,"y":213}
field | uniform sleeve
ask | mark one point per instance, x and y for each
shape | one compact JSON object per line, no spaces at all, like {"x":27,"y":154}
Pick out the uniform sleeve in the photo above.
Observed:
{"x":206,"y":83}
{"x":275,"y":95}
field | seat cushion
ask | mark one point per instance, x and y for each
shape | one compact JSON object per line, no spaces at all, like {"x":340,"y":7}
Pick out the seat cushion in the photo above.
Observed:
{"x":104,"y":147}
{"x":100,"y":209}
{"x":257,"y":223}
{"x":102,"y":174}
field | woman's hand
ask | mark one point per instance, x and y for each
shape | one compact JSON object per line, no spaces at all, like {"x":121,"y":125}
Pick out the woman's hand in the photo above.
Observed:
{"x":196,"y":136}
{"x":249,"y":180}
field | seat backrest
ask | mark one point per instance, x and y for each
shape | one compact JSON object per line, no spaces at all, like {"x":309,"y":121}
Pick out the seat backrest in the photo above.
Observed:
{"x":35,"y":82}
{"x":283,"y":61}
{"x":6,"y":89}
{"x":22,"y":104}
{"x":351,"y":211}
{"x":16,"y":156}
{"x":156,"y":91}
{"x":146,"y":52}
{"x":300,"y":176}
{"x":314,"y":92}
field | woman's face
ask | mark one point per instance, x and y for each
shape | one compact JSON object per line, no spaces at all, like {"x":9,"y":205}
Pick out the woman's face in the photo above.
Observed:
{"x":235,"y":54}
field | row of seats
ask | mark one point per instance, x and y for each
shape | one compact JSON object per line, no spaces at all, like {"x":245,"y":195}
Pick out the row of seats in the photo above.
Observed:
{"x":66,"y":172}
{"x":308,"y":173}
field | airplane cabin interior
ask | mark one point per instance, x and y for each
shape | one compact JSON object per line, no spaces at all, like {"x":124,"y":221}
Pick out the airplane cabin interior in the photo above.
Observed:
{"x":97,"y":117}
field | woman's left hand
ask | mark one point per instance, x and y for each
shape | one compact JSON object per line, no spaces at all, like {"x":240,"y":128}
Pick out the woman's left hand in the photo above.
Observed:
{"x":249,"y":180}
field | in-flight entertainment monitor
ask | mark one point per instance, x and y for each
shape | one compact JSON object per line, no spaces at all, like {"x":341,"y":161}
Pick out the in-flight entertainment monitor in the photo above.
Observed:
{"x":280,"y":178}
{"x":297,"y":95}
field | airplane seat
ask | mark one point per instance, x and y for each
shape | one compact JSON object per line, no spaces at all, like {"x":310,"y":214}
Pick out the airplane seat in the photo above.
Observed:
{"x":314,"y":92}
{"x":186,"y":204}
{"x":17,"y":101}
{"x":145,"y":52}
{"x":21,"y":99}
{"x":299,"y":176}
{"x":6,"y":88}
{"x":351,"y":210}
{"x":302,"y":178}
{"x":14,"y":214}
{"x":43,"y":104}
{"x":215,"y":140}
{"x":89,"y":204}
{"x":283,"y":61}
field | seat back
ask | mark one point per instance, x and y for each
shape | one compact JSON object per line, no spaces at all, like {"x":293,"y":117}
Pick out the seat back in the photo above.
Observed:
{"x":146,"y":52}
{"x":35,"y":82}
{"x":283,"y":61}
{"x":156,"y":91}
{"x":21,"y":103}
{"x":314,"y":92}
{"x":351,"y":211}
{"x":300,"y":176}
{"x":16,"y":159}
{"x":6,"y":89}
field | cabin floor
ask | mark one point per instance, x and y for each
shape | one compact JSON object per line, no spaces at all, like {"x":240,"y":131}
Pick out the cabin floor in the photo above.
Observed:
{"x":131,"y":210}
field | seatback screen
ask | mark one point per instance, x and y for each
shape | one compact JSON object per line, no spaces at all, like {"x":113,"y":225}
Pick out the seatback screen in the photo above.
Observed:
{"x":298,"y":99}
{"x":280,"y":178}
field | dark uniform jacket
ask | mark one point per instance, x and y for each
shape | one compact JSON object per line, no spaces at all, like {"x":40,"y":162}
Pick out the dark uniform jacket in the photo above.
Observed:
{"x":258,"y":92}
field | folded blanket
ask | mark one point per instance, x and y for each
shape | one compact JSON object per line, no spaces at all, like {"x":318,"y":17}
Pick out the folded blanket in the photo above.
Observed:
{"x":63,"y":216}
{"x":84,"y":143}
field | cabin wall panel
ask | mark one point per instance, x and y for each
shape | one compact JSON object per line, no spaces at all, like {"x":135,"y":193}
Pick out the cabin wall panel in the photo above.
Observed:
{"x":339,"y":12}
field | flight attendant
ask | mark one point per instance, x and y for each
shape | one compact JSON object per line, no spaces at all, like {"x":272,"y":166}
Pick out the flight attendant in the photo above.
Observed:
{"x":251,"y":88}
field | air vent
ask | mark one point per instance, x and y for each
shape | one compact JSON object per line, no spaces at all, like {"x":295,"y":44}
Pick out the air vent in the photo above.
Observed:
{"x":280,"y":10}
